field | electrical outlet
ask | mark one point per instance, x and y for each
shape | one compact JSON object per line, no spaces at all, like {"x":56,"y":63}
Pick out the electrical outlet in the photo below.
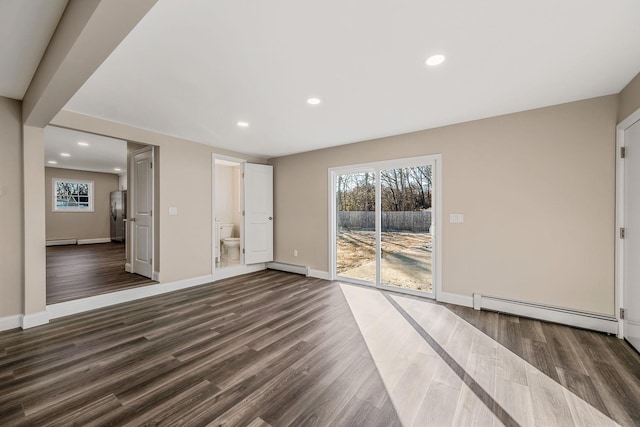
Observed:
{"x":295,"y":252}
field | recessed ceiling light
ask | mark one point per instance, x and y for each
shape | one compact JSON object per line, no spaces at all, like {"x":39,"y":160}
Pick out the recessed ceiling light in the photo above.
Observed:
{"x":314,"y":101}
{"x":243,"y":124}
{"x":65,"y":154}
{"x":83,"y":144}
{"x":52,"y":162}
{"x":435,"y":60}
{"x":117,"y":169}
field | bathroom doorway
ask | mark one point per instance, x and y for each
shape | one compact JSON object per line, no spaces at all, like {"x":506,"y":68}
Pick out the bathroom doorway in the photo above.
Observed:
{"x":228,"y":222}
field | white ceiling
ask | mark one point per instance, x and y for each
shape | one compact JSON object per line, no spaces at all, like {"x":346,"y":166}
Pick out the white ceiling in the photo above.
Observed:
{"x":103,"y":154}
{"x":26,"y":27}
{"x":195,"y":68}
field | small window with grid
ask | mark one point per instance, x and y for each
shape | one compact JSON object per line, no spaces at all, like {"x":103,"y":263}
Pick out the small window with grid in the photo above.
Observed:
{"x":72,"y":196}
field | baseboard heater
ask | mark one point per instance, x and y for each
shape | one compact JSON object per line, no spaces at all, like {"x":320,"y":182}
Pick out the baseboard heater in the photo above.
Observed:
{"x":565,"y":316}
{"x":60,"y":242}
{"x":290,"y":268}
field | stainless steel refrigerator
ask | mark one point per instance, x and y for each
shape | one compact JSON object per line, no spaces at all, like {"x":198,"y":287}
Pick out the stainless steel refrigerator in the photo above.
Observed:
{"x":118,"y":207}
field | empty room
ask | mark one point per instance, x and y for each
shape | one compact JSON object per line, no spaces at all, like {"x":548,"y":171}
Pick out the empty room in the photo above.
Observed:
{"x":356,"y":213}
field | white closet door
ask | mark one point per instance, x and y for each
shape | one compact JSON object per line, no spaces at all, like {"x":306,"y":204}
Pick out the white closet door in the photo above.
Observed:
{"x":258,"y":219}
{"x":631,"y":275}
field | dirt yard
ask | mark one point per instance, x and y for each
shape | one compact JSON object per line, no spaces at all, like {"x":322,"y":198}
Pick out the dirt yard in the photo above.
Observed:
{"x":406,"y":258}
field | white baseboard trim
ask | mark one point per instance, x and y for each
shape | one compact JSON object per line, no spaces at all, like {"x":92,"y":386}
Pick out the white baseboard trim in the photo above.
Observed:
{"x":60,"y":242}
{"x":290,"y":268}
{"x":10,"y":322}
{"x":35,"y":319}
{"x":457,"y":299}
{"x":127,"y":267}
{"x":91,"y":241}
{"x":237,"y":270}
{"x":565,"y":316}
{"x":154,"y":276}
{"x":68,"y":308}
{"x":319,"y":274}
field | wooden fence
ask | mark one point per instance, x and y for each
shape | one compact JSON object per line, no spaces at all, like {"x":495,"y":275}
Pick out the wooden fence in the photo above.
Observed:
{"x":414,"y":221}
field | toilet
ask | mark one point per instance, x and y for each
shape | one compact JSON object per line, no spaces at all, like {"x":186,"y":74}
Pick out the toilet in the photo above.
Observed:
{"x":232,"y":245}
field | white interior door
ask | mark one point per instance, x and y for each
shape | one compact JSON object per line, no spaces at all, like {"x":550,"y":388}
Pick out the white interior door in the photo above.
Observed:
{"x":631,"y":274}
{"x":258,"y":218}
{"x":142,"y":211}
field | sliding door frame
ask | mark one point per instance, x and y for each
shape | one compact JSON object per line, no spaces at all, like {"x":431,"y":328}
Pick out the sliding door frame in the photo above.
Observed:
{"x":435,"y":161}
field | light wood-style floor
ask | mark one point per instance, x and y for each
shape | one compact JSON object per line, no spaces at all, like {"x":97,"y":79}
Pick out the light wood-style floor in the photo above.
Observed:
{"x":80,"y":271}
{"x":451,"y":365}
{"x":273,"y":348}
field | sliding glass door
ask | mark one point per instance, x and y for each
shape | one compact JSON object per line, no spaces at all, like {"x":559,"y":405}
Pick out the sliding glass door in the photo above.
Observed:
{"x":405,"y":227}
{"x":383,"y":224}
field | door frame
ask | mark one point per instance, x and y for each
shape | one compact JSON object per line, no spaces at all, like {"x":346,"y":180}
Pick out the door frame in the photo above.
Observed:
{"x":436,"y":274}
{"x":619,"y":247}
{"x":241,"y":163}
{"x":131,"y":195}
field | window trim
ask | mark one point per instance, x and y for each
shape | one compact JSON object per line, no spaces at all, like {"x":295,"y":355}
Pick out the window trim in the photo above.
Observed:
{"x":54,"y":196}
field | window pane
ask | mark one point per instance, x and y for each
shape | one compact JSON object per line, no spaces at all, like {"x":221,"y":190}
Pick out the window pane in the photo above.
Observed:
{"x":71,"y":195}
{"x":355,"y":214}
{"x":406,"y":227}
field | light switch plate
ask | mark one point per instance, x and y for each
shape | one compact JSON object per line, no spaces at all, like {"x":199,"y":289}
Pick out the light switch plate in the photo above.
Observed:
{"x":456,"y":218}
{"x":173,"y":211}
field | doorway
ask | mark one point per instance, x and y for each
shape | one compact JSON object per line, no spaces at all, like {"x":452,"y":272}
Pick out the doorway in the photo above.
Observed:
{"x":86,"y":183}
{"x":242,"y":215}
{"x":228,"y":226}
{"x":384,"y":231}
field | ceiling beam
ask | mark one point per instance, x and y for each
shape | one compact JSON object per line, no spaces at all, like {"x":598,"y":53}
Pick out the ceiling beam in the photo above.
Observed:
{"x":87,"y":33}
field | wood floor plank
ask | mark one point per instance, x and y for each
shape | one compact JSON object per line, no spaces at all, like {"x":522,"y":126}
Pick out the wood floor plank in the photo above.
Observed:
{"x":273,"y":348}
{"x":570,"y":356}
{"x":80,"y":271}
{"x":240,"y":349}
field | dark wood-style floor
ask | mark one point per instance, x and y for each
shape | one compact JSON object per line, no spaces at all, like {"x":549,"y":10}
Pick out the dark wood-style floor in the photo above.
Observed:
{"x":266,"y":348}
{"x":80,"y":271}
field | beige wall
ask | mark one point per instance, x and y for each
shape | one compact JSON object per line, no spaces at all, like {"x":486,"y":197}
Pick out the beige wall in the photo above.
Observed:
{"x":629,"y":99}
{"x":11,"y":211}
{"x":536,"y":188}
{"x":185,"y":182}
{"x":35,"y":256}
{"x":80,"y":225}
